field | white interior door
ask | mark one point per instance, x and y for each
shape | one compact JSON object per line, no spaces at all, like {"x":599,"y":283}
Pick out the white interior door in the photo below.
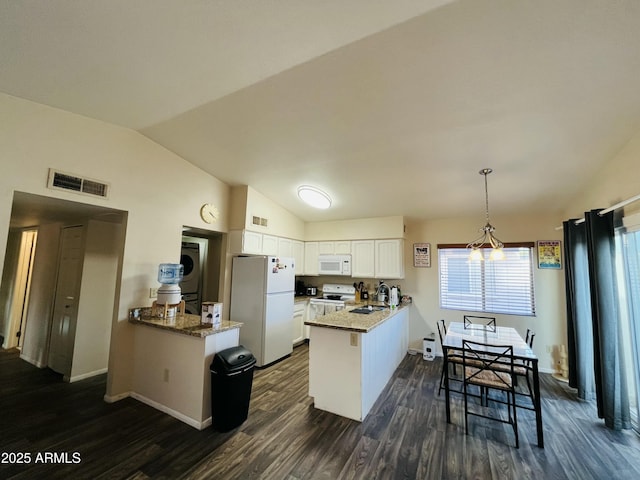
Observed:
{"x":65,"y":309}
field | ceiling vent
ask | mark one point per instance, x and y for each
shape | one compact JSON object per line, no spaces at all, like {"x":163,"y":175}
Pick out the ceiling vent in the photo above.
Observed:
{"x":70,"y":182}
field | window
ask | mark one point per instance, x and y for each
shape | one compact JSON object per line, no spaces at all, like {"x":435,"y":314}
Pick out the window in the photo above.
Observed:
{"x":498,"y":286}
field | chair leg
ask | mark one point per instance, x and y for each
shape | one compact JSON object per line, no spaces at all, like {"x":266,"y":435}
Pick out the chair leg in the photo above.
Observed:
{"x":515,"y":418}
{"x":441,"y":379}
{"x":466,"y":420}
{"x":530,"y":389}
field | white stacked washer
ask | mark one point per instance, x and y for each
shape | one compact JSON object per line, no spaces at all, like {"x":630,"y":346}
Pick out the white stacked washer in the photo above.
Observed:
{"x":190,"y":286}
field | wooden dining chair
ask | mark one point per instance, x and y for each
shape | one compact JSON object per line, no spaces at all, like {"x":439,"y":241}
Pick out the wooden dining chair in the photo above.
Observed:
{"x":486,"y":322}
{"x":478,"y":361}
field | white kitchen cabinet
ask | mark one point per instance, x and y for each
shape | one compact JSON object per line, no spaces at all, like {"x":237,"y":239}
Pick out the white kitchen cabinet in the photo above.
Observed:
{"x":297,"y":252}
{"x":338,"y":247}
{"x":349,"y":370}
{"x":363,"y":258}
{"x":269,"y":245}
{"x":311,"y":258}
{"x":342,"y":248}
{"x":245,"y":241}
{"x":299,"y":313}
{"x":285,"y":247}
{"x":389,"y":258}
{"x":325,"y":248}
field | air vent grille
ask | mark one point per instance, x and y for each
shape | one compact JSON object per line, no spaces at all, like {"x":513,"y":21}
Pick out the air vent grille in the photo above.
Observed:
{"x":259,"y":221}
{"x":74,"y":183}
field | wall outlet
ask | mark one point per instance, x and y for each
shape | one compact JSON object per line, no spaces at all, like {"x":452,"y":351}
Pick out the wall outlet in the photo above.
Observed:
{"x":153,"y":292}
{"x":165,"y":375}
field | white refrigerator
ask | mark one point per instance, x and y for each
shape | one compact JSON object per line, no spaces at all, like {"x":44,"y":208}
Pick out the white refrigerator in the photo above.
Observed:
{"x":262,"y":298}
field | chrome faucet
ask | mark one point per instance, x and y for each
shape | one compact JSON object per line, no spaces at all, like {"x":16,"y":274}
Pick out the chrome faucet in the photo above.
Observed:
{"x":380,"y":295}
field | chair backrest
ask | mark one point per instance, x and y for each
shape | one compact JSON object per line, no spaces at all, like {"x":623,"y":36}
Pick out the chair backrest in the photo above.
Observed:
{"x":530,"y":340}
{"x":485,"y":357}
{"x":440,"y":330}
{"x":486,"y":322}
{"x":526,"y":339}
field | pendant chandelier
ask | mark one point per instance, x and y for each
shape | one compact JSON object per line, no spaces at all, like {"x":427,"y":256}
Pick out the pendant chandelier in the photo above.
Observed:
{"x":487,"y":238}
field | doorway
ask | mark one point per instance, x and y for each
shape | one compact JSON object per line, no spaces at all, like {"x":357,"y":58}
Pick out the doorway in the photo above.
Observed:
{"x":40,"y":320}
{"x":13,"y":334}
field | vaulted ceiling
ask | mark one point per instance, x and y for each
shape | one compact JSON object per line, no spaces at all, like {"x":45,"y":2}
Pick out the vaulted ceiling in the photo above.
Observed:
{"x":392,"y":107}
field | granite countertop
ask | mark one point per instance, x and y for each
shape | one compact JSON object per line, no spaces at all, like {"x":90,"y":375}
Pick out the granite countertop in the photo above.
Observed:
{"x":354,"y":322}
{"x":184,"y":324}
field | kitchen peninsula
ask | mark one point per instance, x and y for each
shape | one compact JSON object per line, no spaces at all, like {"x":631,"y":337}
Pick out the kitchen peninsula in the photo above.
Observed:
{"x":352,"y":356}
{"x":172,"y":360}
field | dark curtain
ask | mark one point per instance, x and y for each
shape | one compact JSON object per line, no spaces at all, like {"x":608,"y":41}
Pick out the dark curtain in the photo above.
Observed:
{"x":611,"y":387}
{"x":579,"y":325}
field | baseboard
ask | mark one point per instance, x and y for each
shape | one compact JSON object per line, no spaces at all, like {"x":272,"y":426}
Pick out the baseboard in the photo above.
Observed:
{"x":87,"y":375}
{"x":169,"y":411}
{"x":116,"y":398}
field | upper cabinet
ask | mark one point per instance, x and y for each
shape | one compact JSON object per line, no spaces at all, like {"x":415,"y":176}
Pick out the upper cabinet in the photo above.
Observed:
{"x":362,"y":258}
{"x":269,"y":245}
{"x":285,"y":247}
{"x":245,"y":241}
{"x":297,"y":252}
{"x":377,"y":258}
{"x":389,"y":258}
{"x":311,"y":258}
{"x":340,"y":247}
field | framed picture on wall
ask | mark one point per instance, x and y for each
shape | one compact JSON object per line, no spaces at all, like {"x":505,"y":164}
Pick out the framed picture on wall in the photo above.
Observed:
{"x":549,"y":254}
{"x":421,"y":254}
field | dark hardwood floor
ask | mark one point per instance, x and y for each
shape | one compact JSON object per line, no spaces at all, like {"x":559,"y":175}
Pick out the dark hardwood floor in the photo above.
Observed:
{"x":404,"y":436}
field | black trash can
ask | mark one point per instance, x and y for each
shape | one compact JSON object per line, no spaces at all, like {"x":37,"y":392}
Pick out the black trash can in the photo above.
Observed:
{"x":231,"y":380}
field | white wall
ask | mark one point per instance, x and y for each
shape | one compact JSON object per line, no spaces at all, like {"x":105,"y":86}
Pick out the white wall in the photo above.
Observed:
{"x":615,"y":182}
{"x":160,"y":191}
{"x":281,"y":223}
{"x":356,"y":229}
{"x":97,"y":290}
{"x":423,"y":283}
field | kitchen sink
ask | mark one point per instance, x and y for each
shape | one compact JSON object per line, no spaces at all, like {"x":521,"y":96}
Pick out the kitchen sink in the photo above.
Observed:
{"x":366,"y":310}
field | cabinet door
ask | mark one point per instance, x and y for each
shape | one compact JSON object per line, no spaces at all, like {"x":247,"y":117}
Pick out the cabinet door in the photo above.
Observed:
{"x":342,"y":247}
{"x":297,"y":252}
{"x":389,"y":255}
{"x":326,"y":248}
{"x":269,"y":245}
{"x":311,"y":258}
{"x":362,"y":258}
{"x":298,"y":322}
{"x":285,"y":247}
{"x":251,"y":242}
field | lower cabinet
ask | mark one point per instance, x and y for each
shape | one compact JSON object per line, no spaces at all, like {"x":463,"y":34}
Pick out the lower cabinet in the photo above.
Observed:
{"x":299,"y":313}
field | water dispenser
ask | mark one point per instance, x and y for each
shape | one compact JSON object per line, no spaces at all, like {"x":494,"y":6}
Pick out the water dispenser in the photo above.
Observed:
{"x":169,"y":294}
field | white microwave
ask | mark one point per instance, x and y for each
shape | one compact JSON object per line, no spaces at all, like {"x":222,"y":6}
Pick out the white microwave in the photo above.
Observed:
{"x":334,"y":265}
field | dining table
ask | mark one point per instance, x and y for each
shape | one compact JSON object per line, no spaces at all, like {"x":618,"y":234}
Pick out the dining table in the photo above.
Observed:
{"x":494,"y":335}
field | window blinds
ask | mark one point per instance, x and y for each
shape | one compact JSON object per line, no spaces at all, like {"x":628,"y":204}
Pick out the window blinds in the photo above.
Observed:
{"x":500,"y":286}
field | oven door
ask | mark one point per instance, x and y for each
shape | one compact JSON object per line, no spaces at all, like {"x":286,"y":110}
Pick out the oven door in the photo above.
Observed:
{"x":316,"y":309}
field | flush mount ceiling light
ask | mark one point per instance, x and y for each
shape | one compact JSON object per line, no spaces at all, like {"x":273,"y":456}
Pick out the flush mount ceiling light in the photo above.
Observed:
{"x":314,"y":196}
{"x":487,"y":238}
